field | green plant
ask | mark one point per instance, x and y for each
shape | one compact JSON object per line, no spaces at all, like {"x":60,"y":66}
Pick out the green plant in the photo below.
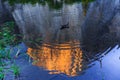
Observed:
{"x":8,"y":39}
{"x":16,"y":70}
{"x":5,"y":54}
{"x":8,"y":35}
{"x":1,"y":69}
{"x":1,"y":76}
{"x":1,"y":73}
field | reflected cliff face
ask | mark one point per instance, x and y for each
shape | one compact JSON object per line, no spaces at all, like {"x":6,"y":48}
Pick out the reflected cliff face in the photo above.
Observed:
{"x":96,"y":24}
{"x":59,"y":58}
{"x":41,"y":22}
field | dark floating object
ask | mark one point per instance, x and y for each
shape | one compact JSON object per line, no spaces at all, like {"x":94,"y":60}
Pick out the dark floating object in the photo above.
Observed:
{"x":64,"y":26}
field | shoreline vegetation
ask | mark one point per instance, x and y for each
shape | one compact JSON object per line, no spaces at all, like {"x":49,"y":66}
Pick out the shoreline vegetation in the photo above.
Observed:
{"x":8,"y":39}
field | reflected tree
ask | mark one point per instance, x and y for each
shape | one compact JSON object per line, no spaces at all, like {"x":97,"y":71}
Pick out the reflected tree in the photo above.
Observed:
{"x":54,"y":4}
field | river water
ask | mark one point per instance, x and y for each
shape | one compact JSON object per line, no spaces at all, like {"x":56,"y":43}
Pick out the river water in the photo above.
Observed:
{"x":72,"y":39}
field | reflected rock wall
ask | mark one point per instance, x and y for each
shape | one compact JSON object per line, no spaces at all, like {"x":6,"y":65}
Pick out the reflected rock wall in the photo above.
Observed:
{"x":41,"y":21}
{"x":96,"y":30}
{"x":95,"y":24}
{"x":115,"y":23}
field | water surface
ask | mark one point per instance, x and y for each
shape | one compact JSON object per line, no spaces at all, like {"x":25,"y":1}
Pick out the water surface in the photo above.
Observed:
{"x":86,"y":49}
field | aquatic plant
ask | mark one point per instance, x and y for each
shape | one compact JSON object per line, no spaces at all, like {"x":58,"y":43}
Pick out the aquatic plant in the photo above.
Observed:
{"x":1,"y":76}
{"x":1,"y":73}
{"x":15,"y":70}
{"x":8,"y":39}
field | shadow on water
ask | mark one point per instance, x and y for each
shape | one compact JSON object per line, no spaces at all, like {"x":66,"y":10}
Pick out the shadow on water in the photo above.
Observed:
{"x":91,"y":31}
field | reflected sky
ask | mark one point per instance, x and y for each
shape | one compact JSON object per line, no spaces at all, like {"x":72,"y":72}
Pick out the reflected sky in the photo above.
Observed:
{"x":110,"y":69}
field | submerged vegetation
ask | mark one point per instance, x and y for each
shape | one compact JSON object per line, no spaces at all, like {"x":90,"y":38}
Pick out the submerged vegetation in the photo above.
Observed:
{"x":54,"y":4}
{"x":7,"y":40}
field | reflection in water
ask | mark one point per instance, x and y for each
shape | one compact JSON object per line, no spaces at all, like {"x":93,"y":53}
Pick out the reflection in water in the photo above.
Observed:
{"x":85,"y":5}
{"x":41,"y":22}
{"x":63,"y":58}
{"x":95,"y":25}
{"x":94,"y":29}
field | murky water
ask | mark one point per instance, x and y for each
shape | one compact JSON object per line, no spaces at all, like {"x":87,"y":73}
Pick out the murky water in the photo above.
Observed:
{"x":72,"y":38}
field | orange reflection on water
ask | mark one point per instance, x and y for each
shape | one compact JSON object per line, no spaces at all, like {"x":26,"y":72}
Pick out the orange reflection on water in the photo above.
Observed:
{"x":63,"y":58}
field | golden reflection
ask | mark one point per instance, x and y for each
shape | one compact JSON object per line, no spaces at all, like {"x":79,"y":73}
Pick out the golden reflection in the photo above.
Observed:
{"x":62,"y":58}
